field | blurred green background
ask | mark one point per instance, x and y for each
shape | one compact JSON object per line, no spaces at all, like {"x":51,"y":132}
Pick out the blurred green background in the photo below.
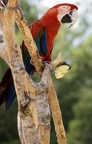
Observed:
{"x":74,"y":90}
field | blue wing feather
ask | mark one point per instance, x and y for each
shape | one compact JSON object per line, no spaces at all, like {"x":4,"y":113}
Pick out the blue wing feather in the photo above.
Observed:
{"x":43,"y":44}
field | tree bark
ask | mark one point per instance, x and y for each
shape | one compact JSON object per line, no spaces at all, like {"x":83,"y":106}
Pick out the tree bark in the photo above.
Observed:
{"x":29,"y":42}
{"x":19,"y":75}
{"x":34,"y":100}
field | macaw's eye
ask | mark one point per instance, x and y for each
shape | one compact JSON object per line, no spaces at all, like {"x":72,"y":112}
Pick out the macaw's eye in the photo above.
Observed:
{"x":64,"y":7}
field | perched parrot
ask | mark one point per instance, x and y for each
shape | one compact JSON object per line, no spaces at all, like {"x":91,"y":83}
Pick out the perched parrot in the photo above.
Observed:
{"x":44,"y":31}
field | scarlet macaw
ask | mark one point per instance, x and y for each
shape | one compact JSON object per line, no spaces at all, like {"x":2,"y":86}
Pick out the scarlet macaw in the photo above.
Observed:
{"x":44,"y":31}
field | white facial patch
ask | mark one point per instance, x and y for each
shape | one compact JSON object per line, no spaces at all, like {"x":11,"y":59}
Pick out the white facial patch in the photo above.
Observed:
{"x":62,"y":10}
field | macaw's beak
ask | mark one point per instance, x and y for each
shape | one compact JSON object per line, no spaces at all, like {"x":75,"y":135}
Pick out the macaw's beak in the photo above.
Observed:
{"x":71,"y":17}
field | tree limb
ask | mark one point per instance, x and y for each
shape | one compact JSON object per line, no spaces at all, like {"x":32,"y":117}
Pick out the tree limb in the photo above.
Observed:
{"x":53,"y":100}
{"x":29,"y":42}
{"x":19,"y":74}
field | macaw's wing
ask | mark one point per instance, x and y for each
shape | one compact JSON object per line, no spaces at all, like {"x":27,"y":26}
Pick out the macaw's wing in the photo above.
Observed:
{"x":41,"y":43}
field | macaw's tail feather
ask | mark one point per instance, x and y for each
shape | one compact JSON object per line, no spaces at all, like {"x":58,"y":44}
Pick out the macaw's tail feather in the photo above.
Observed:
{"x":10,"y":96}
{"x":4,"y":85}
{"x":7,"y":90}
{"x":29,"y":67}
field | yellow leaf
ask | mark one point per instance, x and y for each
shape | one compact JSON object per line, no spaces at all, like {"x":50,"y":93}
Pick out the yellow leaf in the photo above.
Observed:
{"x":61,"y":71}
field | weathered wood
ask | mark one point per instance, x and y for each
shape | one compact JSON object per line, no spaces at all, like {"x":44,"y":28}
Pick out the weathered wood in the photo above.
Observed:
{"x":40,"y":99}
{"x":34,"y":100}
{"x":29,"y":42}
{"x":19,"y":75}
{"x":44,"y":113}
{"x":56,"y":114}
{"x":54,"y":103}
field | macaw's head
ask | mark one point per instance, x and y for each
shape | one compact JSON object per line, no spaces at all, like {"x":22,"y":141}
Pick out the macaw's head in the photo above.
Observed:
{"x":67,"y":13}
{"x":64,"y":13}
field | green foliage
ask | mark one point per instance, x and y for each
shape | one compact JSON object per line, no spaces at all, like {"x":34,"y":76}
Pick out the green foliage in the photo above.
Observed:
{"x":80,"y":129}
{"x":8,"y":124}
{"x":30,"y":13}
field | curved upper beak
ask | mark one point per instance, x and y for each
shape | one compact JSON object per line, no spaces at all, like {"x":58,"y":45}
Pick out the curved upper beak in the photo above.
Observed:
{"x":74,"y":16}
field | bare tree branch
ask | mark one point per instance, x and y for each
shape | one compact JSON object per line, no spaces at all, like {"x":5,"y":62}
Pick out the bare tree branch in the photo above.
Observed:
{"x":53,"y":100}
{"x":29,"y":42}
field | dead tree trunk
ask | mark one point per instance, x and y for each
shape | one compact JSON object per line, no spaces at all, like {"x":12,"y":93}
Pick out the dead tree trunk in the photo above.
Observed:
{"x":34,"y":100}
